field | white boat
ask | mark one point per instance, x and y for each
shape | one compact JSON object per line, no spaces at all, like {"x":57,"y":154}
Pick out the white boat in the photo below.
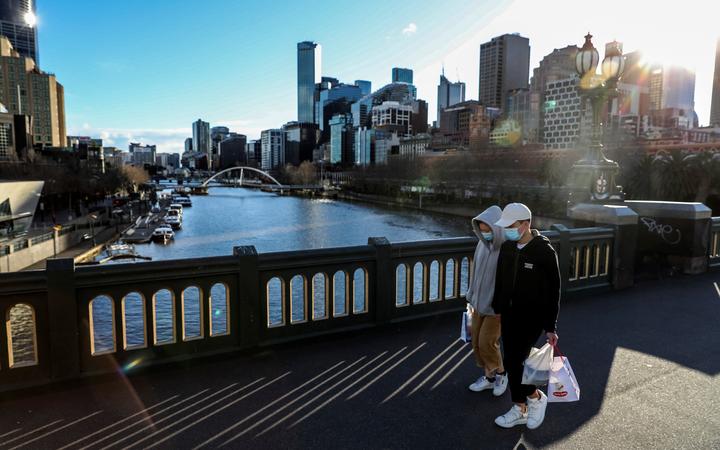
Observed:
{"x":184,"y":201}
{"x":121,"y":251}
{"x":119,"y":248}
{"x":163,"y":234}
{"x":174,"y":220}
{"x":176,"y":207}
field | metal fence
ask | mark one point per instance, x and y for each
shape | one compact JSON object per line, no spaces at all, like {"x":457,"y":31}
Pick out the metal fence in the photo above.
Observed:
{"x":24,"y":243}
{"x":69,"y":321}
{"x":42,"y":238}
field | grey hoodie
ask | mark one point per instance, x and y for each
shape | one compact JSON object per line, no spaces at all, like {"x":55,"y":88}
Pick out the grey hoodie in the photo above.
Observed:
{"x":481,"y":286}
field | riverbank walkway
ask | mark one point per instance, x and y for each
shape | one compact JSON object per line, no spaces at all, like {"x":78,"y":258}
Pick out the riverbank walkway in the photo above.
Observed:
{"x":86,"y":247}
{"x":647,"y":360}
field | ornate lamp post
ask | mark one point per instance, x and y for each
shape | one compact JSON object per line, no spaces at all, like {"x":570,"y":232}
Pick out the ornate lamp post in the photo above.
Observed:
{"x":592,"y":178}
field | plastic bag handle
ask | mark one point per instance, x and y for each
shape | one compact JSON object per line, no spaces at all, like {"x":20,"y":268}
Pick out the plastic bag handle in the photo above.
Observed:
{"x":556,"y":349}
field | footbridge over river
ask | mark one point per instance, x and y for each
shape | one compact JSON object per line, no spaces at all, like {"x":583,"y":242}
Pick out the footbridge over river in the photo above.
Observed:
{"x":239,"y":180}
{"x":352,"y":347}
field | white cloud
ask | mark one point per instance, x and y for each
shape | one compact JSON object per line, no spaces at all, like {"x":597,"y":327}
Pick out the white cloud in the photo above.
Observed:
{"x":168,"y":140}
{"x":410,"y":29}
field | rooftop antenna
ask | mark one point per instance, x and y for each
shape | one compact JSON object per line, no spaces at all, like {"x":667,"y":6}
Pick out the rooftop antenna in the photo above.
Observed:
{"x":443,"y":68}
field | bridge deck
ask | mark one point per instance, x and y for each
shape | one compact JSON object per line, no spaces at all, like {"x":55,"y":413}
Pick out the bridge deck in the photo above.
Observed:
{"x":647,"y":360}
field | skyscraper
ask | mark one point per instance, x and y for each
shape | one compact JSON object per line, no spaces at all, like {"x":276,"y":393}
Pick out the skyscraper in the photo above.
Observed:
{"x":392,"y":117}
{"x":300,"y":140}
{"x":28,"y":91}
{"x":563,"y":113}
{"x":308,"y":74}
{"x":504,"y":66}
{"x":17,"y":22}
{"x":253,"y":150}
{"x":336,"y":100}
{"x":557,"y":65}
{"x":527,"y":106}
{"x":672,"y":87}
{"x":273,"y":149}
{"x":364,"y":143}
{"x":232,"y":151}
{"x":142,"y":154}
{"x":201,"y":139}
{"x":715,"y":106}
{"x":400,"y":75}
{"x":341,"y":139}
{"x":217,"y":135}
{"x":449,"y":94}
{"x":365,"y":86}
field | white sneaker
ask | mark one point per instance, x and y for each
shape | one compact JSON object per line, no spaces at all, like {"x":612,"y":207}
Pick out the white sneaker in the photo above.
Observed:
{"x":536,"y":410}
{"x":501,"y":383}
{"x":481,"y":384}
{"x":511,"y":418}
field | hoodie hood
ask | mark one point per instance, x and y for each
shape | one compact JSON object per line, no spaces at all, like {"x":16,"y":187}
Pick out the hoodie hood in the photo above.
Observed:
{"x":489,"y":217}
{"x":481,"y":286}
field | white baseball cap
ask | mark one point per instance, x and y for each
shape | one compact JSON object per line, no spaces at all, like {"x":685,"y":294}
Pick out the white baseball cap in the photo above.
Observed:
{"x":512,"y":213}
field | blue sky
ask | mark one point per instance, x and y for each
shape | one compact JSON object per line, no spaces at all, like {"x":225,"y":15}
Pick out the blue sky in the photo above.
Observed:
{"x":146,"y":69}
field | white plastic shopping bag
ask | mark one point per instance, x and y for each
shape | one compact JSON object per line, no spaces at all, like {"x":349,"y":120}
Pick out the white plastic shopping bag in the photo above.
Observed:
{"x":537,"y":366}
{"x":563,"y":386}
{"x":465,"y":325}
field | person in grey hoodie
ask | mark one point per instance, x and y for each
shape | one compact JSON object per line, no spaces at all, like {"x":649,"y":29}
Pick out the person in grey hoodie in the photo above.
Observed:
{"x":485,"y":329}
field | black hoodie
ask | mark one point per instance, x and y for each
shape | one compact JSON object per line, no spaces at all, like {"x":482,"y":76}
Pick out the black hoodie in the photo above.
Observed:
{"x":527,"y":282}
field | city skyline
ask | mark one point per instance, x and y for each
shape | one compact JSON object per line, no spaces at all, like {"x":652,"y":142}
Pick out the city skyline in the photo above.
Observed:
{"x":151,"y":88}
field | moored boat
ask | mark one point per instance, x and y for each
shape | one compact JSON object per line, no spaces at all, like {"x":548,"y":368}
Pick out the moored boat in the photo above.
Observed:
{"x":163,"y":234}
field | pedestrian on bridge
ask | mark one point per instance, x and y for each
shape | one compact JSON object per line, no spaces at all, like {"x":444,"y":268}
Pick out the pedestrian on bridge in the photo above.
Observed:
{"x":527,"y":296}
{"x":485,"y":328}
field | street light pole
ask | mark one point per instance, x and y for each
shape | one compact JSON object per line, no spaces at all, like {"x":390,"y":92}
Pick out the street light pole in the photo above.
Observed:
{"x":322,"y":166}
{"x":593,"y":177}
{"x":92,"y":228}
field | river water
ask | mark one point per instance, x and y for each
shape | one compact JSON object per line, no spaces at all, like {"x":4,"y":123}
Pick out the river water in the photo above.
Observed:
{"x":230,"y":217}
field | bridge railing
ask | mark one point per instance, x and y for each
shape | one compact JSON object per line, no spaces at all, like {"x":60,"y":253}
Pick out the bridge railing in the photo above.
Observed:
{"x":714,"y":247}
{"x":67,"y":321}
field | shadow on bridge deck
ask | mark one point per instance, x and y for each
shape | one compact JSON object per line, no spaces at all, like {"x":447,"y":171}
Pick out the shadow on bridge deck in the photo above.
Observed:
{"x":647,"y":361}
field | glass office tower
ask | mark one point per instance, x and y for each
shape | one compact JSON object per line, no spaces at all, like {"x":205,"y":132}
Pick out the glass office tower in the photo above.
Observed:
{"x":17,"y":22}
{"x":308,"y":73}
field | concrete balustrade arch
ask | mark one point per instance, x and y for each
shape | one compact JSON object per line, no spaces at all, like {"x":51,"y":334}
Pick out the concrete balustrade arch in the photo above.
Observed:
{"x":102,"y":325}
{"x":464,"y":275}
{"x":418,"y":283}
{"x":134,"y":321}
{"x":298,"y":299}
{"x":450,"y":279}
{"x":21,"y":328}
{"x":360,"y":294}
{"x":192,"y":313}
{"x":402,"y":283}
{"x":275,"y":302}
{"x":434,"y":281}
{"x":164,"y":311}
{"x":341,"y":297}
{"x":320,"y":296}
{"x":219,"y":306}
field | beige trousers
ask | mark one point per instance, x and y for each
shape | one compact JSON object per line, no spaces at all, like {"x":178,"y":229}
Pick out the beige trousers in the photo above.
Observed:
{"x":485,"y":333}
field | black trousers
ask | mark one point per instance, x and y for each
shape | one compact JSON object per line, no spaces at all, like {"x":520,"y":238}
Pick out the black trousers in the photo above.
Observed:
{"x":519,"y":334}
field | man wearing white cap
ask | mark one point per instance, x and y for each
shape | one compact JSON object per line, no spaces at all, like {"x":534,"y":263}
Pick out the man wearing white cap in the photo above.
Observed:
{"x":527,"y":296}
